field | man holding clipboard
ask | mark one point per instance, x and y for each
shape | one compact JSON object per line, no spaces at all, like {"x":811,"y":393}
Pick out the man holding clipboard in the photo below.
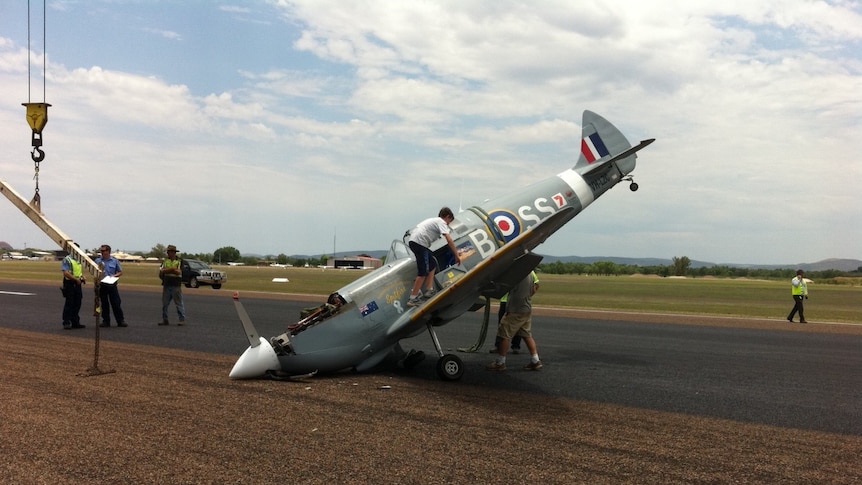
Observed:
{"x":108,"y":292}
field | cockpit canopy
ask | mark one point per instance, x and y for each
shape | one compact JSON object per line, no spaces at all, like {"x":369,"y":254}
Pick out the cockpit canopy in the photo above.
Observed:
{"x":398,"y":250}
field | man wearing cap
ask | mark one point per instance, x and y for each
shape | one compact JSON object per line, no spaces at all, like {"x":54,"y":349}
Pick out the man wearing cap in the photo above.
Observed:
{"x":172,"y":289}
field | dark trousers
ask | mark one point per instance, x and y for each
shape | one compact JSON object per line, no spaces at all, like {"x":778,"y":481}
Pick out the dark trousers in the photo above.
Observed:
{"x":110,"y":297}
{"x":797,"y":307}
{"x":72,"y":307}
{"x":516,"y":340}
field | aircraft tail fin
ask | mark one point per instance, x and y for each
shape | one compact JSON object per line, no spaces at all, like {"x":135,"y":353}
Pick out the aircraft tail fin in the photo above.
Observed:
{"x":602,"y":142}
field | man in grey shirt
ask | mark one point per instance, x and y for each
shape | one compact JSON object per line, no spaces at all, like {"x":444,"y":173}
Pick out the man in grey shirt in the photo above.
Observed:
{"x":517,"y":321}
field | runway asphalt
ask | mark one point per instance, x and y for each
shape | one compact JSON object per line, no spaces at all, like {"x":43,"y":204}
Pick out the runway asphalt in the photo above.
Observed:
{"x":775,"y":376}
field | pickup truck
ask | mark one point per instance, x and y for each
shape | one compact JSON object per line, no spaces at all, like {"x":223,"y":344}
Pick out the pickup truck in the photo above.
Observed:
{"x":196,"y":273}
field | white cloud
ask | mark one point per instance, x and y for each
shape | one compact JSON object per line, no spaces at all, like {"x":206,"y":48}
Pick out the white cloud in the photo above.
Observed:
{"x":167,"y":34}
{"x":370,"y":115}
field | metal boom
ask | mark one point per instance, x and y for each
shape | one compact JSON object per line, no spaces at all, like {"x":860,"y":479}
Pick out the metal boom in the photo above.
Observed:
{"x":53,"y":232}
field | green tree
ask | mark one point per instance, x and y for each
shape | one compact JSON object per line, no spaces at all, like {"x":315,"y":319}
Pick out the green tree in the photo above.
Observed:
{"x":226,"y":254}
{"x":158,"y":251}
{"x":680,"y":265}
{"x":604,"y":268}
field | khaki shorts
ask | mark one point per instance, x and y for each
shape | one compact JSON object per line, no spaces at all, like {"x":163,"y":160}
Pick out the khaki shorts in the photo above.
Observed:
{"x":515,"y":324}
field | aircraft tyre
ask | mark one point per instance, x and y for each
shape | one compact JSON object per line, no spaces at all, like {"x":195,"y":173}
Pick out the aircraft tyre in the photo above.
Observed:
{"x":633,"y":187}
{"x":450,"y":367}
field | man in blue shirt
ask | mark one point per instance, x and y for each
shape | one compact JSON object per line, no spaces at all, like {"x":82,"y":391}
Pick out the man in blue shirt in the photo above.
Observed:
{"x":108,"y":292}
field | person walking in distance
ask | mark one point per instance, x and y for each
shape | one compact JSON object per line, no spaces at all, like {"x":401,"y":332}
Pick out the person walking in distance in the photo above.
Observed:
{"x":799,"y":291}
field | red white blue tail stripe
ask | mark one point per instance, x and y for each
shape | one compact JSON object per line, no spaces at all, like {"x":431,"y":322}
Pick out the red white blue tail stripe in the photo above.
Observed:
{"x":593,"y":148}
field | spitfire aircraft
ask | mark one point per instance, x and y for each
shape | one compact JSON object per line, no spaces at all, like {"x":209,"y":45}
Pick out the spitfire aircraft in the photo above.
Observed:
{"x":360,"y":325}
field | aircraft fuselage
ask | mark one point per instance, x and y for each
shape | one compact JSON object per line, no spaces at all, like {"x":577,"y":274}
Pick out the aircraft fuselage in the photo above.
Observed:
{"x":362,"y":323}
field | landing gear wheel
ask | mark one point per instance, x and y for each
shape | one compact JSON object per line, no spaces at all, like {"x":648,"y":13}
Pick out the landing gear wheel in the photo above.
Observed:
{"x":633,"y":187}
{"x":450,"y":367}
{"x":414,"y":357}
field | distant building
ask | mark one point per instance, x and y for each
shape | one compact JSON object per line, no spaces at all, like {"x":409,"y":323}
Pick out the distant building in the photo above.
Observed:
{"x":126,"y":257}
{"x":354,"y":262}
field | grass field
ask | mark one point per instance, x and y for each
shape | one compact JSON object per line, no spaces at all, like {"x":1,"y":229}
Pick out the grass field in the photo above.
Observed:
{"x":711,"y":296}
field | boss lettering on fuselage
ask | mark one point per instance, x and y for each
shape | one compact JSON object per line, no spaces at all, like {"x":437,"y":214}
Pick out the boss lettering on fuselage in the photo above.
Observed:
{"x":482,"y":242}
{"x":541,"y":209}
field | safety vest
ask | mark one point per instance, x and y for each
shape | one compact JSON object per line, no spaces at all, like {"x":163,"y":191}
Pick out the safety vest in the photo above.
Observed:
{"x":798,"y":287}
{"x":171,"y":263}
{"x":76,"y":268}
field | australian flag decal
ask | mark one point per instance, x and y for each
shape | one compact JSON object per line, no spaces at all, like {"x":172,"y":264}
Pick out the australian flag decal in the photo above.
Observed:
{"x":593,"y":148}
{"x":368,"y":308}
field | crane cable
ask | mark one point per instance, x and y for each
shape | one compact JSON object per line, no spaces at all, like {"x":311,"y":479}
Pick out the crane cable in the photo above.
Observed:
{"x":29,"y":51}
{"x":37,"y":113}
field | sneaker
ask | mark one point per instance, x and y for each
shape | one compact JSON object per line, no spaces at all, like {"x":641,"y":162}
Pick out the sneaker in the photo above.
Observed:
{"x":78,"y":325}
{"x":496,"y":366}
{"x":428,"y":294}
{"x":104,"y":324}
{"x":181,"y":322}
{"x":415,"y":300}
{"x":164,"y":322}
{"x":534,"y":365}
{"x":122,"y":324}
{"x":67,"y":326}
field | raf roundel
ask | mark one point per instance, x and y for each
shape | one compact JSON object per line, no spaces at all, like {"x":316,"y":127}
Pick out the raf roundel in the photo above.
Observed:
{"x":509,"y":225}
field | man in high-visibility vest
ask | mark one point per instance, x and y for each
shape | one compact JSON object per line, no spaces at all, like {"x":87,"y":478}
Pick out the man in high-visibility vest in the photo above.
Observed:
{"x":172,"y":288}
{"x":799,"y":290}
{"x":73,"y":279}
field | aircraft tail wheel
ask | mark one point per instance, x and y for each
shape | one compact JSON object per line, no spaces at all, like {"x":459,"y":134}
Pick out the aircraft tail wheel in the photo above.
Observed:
{"x":633,"y":187}
{"x":450,"y":367}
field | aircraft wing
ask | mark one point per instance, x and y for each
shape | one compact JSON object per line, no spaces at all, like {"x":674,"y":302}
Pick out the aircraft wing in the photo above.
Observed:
{"x":492,"y":277}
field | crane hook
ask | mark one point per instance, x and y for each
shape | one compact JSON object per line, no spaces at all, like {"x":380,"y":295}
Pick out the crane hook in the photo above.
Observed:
{"x":37,"y":154}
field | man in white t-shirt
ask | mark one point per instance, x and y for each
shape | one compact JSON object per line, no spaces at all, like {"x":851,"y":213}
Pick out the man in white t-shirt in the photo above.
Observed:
{"x":421,"y":238}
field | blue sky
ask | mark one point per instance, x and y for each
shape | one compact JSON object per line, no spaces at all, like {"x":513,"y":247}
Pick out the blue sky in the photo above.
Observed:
{"x":273,"y":126}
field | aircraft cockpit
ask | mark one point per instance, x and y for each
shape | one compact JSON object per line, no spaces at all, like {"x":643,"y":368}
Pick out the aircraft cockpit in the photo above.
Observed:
{"x":314,"y":315}
{"x":398,"y":250}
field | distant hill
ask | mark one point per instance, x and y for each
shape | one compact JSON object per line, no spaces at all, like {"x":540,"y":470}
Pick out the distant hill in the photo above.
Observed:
{"x":826,"y":264}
